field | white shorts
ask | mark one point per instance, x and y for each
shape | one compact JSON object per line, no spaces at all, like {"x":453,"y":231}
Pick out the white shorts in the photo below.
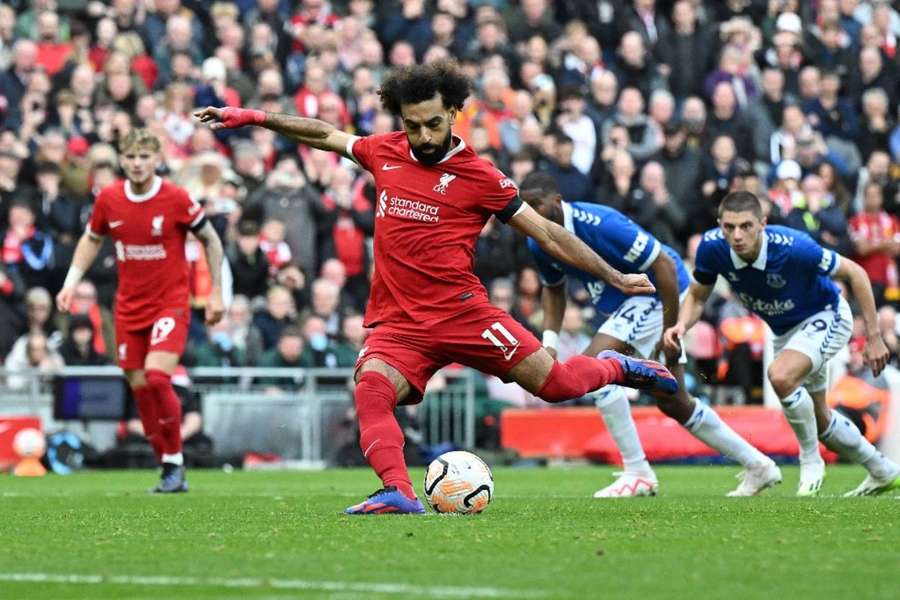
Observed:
{"x":819,"y":337}
{"x":639,"y":323}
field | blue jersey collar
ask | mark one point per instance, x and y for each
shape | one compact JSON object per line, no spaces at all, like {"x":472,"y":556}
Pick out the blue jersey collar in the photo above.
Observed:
{"x":567,"y":217}
{"x":760,"y":263}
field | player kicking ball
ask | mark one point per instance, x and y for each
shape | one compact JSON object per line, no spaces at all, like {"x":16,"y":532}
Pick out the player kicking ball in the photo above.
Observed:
{"x":427,"y":307}
{"x":148,"y":219}
{"x":783,"y":276}
{"x":634,"y":325}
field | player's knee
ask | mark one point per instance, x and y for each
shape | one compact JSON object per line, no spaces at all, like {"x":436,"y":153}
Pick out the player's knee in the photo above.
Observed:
{"x":136,"y":378}
{"x":157,"y":379}
{"x":374,"y":393}
{"x":782,"y":378}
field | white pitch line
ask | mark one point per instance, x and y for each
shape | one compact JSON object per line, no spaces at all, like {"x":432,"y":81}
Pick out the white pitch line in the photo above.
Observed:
{"x":431,"y":591}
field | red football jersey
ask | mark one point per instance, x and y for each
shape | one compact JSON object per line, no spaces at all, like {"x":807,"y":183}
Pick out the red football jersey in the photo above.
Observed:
{"x":149,"y":233}
{"x":427,"y":220}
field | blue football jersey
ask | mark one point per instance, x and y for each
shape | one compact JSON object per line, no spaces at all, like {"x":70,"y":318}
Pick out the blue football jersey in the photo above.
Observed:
{"x":618,"y":240}
{"x":788,"y":282}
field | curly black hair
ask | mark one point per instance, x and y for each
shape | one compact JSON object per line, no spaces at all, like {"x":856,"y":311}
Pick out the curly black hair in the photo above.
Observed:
{"x":418,"y":83}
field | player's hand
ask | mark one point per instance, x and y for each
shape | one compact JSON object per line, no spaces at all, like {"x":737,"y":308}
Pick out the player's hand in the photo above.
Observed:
{"x":215,"y":308}
{"x":230,"y":117}
{"x":551,"y":352}
{"x":672,"y":338}
{"x":876,"y":354}
{"x":64,"y":299}
{"x":635,"y":283}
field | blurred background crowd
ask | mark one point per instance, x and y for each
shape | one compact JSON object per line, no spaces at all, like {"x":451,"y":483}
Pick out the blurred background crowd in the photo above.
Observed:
{"x":657,"y":108}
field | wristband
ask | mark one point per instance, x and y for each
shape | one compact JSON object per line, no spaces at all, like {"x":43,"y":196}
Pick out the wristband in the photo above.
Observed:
{"x":238,"y":117}
{"x":550,"y":339}
{"x":73,"y":277}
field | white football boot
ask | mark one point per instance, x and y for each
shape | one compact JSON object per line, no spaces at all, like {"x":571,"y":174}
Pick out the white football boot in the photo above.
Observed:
{"x":811,"y":476}
{"x":872,"y":486}
{"x":756,"y":479}
{"x":630,"y":485}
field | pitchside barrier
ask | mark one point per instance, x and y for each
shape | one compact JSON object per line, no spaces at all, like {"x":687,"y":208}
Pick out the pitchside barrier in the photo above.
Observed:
{"x":305,"y":416}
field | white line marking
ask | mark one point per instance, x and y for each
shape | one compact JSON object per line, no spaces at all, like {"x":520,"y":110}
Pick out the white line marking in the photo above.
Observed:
{"x":408,"y":589}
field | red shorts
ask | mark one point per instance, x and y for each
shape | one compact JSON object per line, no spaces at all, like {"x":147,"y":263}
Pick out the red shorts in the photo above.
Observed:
{"x":484,"y":338}
{"x":167,"y":334}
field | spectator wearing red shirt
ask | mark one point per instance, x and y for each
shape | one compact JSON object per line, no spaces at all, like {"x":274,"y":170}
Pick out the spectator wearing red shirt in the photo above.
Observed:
{"x":52,"y":53}
{"x":876,"y":236}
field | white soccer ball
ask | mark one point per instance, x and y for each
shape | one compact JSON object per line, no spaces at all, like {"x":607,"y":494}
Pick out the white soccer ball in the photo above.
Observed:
{"x":458,"y":482}
{"x":29,"y":442}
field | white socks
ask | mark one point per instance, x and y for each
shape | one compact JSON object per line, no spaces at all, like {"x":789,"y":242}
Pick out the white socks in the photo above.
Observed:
{"x":709,"y":428}
{"x":613,"y":405}
{"x":799,"y":412}
{"x":843,"y":437}
{"x":175,"y":459}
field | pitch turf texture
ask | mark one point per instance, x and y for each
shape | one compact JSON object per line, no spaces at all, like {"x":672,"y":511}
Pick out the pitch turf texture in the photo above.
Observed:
{"x":281,"y":535}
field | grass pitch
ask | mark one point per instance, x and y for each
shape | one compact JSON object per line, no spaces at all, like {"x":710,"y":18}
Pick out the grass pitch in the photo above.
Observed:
{"x":259,"y":535}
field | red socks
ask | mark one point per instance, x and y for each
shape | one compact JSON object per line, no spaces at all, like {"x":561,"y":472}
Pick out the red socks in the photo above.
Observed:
{"x":578,"y":376}
{"x":168,"y":410}
{"x":380,"y":437}
{"x":145,"y":398}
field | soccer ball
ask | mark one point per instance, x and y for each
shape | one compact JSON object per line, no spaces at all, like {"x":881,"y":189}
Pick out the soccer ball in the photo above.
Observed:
{"x":458,"y":482}
{"x":29,"y":443}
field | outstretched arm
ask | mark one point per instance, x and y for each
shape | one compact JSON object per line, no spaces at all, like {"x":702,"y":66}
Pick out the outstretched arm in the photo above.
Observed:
{"x":212,"y":245}
{"x":564,"y":246}
{"x":876,"y":352}
{"x":85,"y":253}
{"x":312,"y":132}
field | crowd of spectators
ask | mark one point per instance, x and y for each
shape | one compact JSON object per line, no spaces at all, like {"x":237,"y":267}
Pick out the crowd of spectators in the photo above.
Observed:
{"x":657,"y":108}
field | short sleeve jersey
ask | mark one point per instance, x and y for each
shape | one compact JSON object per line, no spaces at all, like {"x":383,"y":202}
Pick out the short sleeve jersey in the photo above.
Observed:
{"x":618,"y":240}
{"x":148,"y":233}
{"x":427,"y":220}
{"x":789,"y":281}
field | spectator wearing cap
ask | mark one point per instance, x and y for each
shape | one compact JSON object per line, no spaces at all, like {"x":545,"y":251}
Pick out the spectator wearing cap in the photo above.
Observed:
{"x":681,"y":164}
{"x":829,"y":113}
{"x":249,"y":266}
{"x":876,"y":237}
{"x":573,"y":121}
{"x":691,"y":45}
{"x":77,"y":348}
{"x":786,"y":187}
{"x":812,"y":150}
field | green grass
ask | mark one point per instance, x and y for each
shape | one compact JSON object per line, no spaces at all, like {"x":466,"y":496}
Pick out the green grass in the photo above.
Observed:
{"x":543,"y":535}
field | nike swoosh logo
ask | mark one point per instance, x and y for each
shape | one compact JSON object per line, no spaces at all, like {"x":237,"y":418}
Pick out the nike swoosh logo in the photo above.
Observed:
{"x":510,"y":354}
{"x":387,"y":167}
{"x":114,"y":224}
{"x":4,"y":427}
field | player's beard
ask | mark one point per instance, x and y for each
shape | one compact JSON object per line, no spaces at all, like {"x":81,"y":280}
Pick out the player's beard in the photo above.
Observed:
{"x":432,"y":158}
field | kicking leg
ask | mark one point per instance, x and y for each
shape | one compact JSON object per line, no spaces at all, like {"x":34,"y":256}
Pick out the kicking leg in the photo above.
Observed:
{"x":379,"y":387}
